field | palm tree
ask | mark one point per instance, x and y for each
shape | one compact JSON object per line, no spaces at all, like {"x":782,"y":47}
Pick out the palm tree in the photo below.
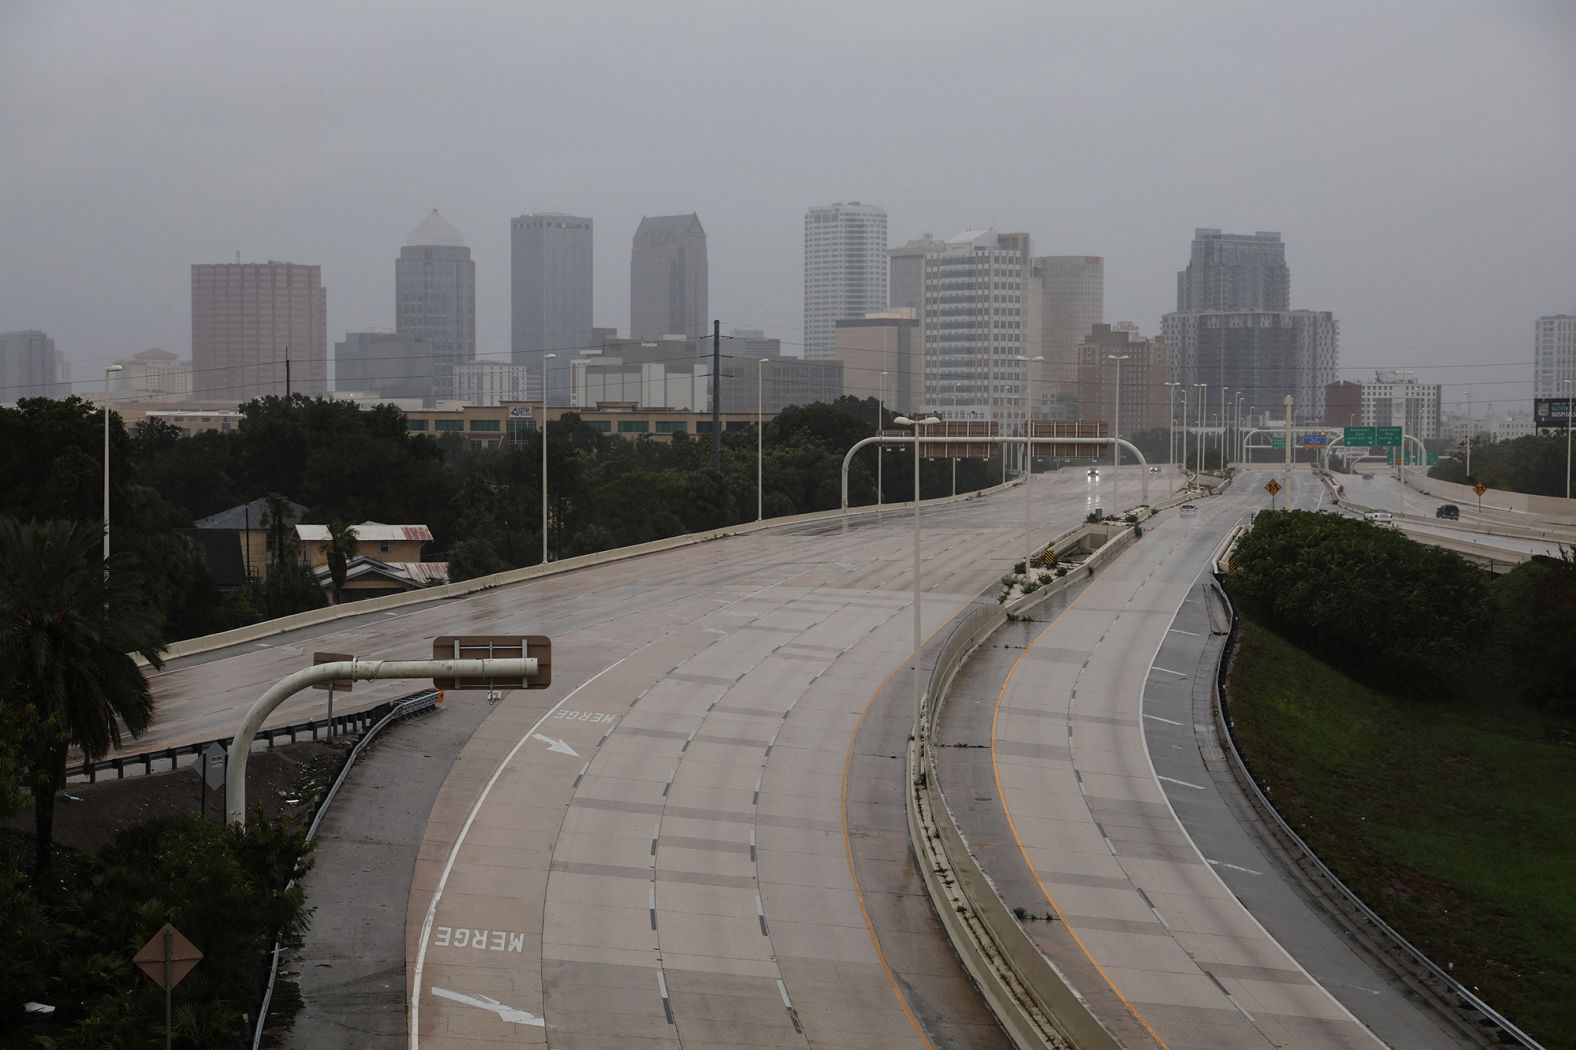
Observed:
{"x":277,"y":518}
{"x":67,"y":629}
{"x":341,"y":548}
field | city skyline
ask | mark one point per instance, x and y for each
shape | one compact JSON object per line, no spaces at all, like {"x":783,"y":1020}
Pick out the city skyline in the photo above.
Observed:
{"x":1378,"y":217}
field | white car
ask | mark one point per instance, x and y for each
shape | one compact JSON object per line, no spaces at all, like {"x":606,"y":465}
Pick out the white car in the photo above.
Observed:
{"x":1380,"y":517}
{"x":1154,"y":470}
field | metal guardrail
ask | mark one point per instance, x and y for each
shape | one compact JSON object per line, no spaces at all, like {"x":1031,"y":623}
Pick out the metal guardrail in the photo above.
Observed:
{"x":342,"y":725}
{"x":405,"y":707}
{"x":1509,"y":1031}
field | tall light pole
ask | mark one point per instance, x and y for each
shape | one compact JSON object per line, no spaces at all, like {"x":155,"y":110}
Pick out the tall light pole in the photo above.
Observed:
{"x":1567,"y":384}
{"x":107,"y":371}
{"x":881,"y":445}
{"x":1470,"y":429}
{"x":545,"y":358}
{"x":928,"y":421}
{"x":1184,"y":432}
{"x":1225,"y":403}
{"x":1203,"y":421}
{"x":1171,"y":424}
{"x":1028,"y":462}
{"x":1116,"y":433}
{"x":760,"y":444}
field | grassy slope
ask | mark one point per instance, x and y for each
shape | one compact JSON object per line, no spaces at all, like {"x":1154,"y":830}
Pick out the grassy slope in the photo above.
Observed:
{"x":1455,"y":821}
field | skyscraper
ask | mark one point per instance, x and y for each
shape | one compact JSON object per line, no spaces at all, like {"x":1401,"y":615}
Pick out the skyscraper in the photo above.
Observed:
{"x":1234,"y":328}
{"x":667,"y":278}
{"x":1233,"y":271}
{"x":1554,"y":356}
{"x":906,"y":273}
{"x":845,"y":270}
{"x":434,"y":308}
{"x":30,"y":366}
{"x":1072,"y":302}
{"x":973,"y":326}
{"x":246,"y":319}
{"x":550,"y":290}
{"x":1261,"y":354}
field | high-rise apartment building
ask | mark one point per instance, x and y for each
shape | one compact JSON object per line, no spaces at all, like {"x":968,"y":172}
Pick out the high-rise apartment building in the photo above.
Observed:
{"x":247,"y":319}
{"x":1554,"y":356}
{"x":30,"y":366}
{"x":1234,"y":271}
{"x":667,"y":278}
{"x":550,"y":293}
{"x":1114,"y":362}
{"x":1398,"y":399}
{"x":1262,"y":354}
{"x":845,"y":270}
{"x":435,"y":305}
{"x":973,"y":327}
{"x":906,"y":273}
{"x":1071,"y":290}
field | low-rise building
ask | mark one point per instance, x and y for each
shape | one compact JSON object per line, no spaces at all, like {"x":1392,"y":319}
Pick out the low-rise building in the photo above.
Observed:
{"x":152,"y":375}
{"x":243,"y":537}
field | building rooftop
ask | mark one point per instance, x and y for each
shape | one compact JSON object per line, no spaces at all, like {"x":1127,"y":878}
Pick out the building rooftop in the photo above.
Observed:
{"x":652,"y":225}
{"x":435,"y":232}
{"x":368,"y":532}
{"x":244,"y":516}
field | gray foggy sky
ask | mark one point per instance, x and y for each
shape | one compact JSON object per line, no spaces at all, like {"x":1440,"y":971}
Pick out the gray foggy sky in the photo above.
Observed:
{"x":1418,"y":157}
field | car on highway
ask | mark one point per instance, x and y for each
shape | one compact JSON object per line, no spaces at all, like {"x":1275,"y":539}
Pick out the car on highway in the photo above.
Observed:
{"x":1368,"y":477}
{"x":1154,"y":470}
{"x":1188,"y":510}
{"x":1448,"y":511}
{"x":1093,"y":473}
{"x":1380,"y":517}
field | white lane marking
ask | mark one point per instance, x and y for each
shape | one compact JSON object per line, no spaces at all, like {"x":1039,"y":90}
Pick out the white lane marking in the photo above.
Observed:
{"x":491,"y":1005}
{"x":1178,"y":630}
{"x":454,"y":852}
{"x":555,"y":745}
{"x":1168,"y":670}
{"x":1173,"y":780}
{"x":1167,"y":721}
{"x":1233,"y":867}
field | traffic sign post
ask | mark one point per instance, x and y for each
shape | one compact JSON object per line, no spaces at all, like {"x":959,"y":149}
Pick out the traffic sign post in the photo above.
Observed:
{"x":1272,"y":486}
{"x":213,"y":759}
{"x":346,"y":684}
{"x":1277,"y":441}
{"x":1433,"y":459}
{"x":1480,"y":488}
{"x":167,"y":958}
{"x":1389,"y":437}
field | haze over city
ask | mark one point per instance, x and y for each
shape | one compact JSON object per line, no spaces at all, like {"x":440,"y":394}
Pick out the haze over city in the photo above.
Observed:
{"x":1416,"y":158}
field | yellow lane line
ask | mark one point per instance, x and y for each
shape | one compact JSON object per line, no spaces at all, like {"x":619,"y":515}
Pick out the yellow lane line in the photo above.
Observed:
{"x":995,"y":767}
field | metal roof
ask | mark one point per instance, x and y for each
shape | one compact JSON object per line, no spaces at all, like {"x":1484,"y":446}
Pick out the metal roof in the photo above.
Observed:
{"x":368,"y":532}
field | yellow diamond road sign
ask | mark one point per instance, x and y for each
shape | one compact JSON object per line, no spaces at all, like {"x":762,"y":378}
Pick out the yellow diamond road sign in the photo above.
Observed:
{"x":167,"y":957}
{"x":1273,"y":487}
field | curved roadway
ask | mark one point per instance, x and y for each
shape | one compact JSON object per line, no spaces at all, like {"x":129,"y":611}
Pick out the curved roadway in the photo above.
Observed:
{"x":685,"y":840}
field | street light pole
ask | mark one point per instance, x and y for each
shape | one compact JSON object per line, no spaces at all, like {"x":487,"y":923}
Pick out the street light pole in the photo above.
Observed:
{"x":1116,"y":433}
{"x":1567,"y":385}
{"x":918,"y":637}
{"x":1171,"y":425}
{"x":545,"y":358}
{"x":107,"y":371}
{"x":1028,"y":461}
{"x":1203,"y":421}
{"x":1184,"y":433}
{"x":880,"y":429}
{"x":760,"y":444}
{"x":1224,"y":402}
{"x":1471,"y":430}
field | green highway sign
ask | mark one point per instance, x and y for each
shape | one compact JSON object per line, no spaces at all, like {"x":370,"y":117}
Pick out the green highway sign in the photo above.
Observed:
{"x":1390,"y":437}
{"x":1359,"y":437}
{"x":1277,"y":441}
{"x":1433,"y":459}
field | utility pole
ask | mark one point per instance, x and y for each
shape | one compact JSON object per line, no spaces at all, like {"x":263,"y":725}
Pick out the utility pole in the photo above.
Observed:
{"x":287,"y":373}
{"x":1471,"y":432}
{"x":716,"y":395}
{"x":1287,"y":485}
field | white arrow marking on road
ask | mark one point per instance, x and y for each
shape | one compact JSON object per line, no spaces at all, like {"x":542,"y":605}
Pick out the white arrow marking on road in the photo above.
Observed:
{"x":482,"y":1002}
{"x":556,"y":745}
{"x":1247,"y":871}
{"x":1174,"y":780}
